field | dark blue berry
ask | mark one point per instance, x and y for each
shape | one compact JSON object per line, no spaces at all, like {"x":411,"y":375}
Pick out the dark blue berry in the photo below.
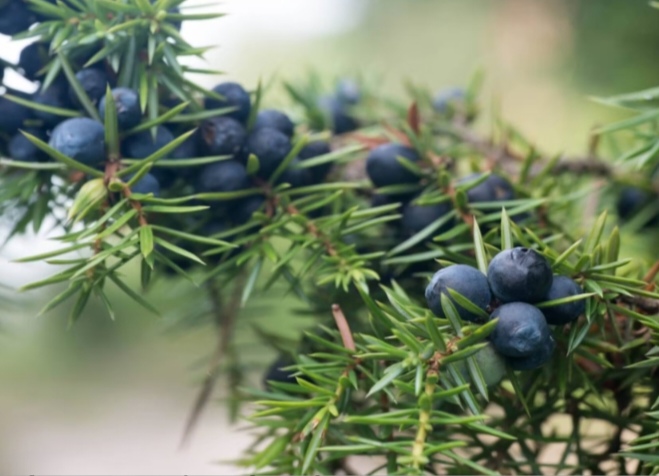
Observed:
{"x":224,"y":176}
{"x":246,"y":207}
{"x":383,"y":167}
{"x":270,"y":146}
{"x":563,"y":287}
{"x":32,"y":59}
{"x":521,"y":331}
{"x":537,"y":359}
{"x":276,"y":120}
{"x":632,"y":200}
{"x":468,"y":281}
{"x":13,"y":115}
{"x":21,"y":149}
{"x":222,"y":136}
{"x":188,"y":149}
{"x":234,"y":96}
{"x":166,"y":176}
{"x":141,"y":145}
{"x":80,"y":138}
{"x":338,"y":115}
{"x":275,"y":373}
{"x":55,"y":96}
{"x":379,"y":200}
{"x":446,"y":100}
{"x":127,"y":102}
{"x":519,"y":274}
{"x":315,"y":149}
{"x":15,"y":17}
{"x":296,"y":176}
{"x":493,"y":189}
{"x":417,"y":217}
{"x":147,"y":184}
{"x":348,"y":91}
{"x":94,"y":82}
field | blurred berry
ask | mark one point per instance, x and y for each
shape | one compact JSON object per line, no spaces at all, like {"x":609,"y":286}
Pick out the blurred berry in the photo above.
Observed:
{"x":234,"y":96}
{"x":276,"y":120}
{"x":80,"y":138}
{"x":127,"y":102}
{"x":20,"y":148}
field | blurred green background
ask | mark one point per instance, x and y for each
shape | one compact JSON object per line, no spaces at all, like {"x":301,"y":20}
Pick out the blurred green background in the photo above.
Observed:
{"x":111,"y":397}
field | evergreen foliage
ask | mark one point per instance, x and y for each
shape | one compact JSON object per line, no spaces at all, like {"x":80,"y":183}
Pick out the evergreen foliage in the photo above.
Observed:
{"x":206,"y":185}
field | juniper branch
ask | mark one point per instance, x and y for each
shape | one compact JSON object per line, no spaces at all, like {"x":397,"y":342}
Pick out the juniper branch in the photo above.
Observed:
{"x":224,"y":320}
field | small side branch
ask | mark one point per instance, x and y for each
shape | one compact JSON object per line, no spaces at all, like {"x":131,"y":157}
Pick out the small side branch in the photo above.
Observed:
{"x":225,"y":321}
{"x":647,"y":305}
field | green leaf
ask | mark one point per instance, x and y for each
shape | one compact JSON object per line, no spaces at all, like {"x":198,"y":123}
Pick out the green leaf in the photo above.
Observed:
{"x":32,"y":165}
{"x":111,"y":125}
{"x":316,"y":440}
{"x":193,"y":238}
{"x":50,"y":254}
{"x":201,"y":115}
{"x":178,"y":250}
{"x":166,"y":117}
{"x":253,"y":164}
{"x":577,"y":335}
{"x":80,"y":304}
{"x":479,"y":334}
{"x":61,"y":157}
{"x":258,"y":95}
{"x":595,"y":233}
{"x":467,"y":304}
{"x":182,"y":163}
{"x":297,"y":147}
{"x":507,"y":241}
{"x":174,"y":209}
{"x":77,"y":87}
{"x":146,"y":240}
{"x":422,"y":235}
{"x":477,"y":377}
{"x":462,"y":354}
{"x":649,"y":363}
{"x":629,"y":123}
{"x":512,"y":376}
{"x":390,"y":374}
{"x":271,"y":452}
{"x":630,"y":100}
{"x":558,"y":302}
{"x":566,"y":254}
{"x":117,"y":225}
{"x":479,"y":248}
{"x":133,"y":295}
{"x":451,"y":314}
{"x":157,"y":155}
{"x":73,"y":288}
{"x":58,"y":111}
{"x":251,"y":282}
{"x":145,"y":273}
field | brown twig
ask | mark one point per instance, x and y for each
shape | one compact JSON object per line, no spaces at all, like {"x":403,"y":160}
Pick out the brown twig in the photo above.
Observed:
{"x":225,"y":320}
{"x":651,"y":275}
{"x":502,"y":155}
{"x":647,"y":305}
{"x":313,"y":230}
{"x":344,"y":328}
